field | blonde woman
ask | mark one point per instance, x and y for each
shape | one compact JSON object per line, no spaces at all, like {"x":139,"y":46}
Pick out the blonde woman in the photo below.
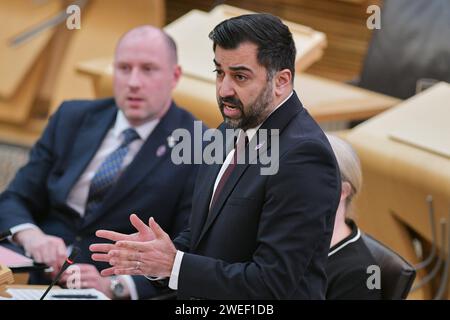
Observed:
{"x":349,"y":257}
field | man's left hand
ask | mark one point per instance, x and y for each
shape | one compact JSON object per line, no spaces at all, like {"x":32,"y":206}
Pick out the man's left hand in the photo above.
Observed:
{"x":152,"y":258}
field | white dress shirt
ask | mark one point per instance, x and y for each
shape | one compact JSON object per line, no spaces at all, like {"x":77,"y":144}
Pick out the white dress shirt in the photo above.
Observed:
{"x":78,"y":195}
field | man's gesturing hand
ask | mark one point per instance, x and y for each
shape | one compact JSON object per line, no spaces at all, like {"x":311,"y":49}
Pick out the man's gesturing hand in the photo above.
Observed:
{"x":151,"y":255}
{"x":144,"y":234}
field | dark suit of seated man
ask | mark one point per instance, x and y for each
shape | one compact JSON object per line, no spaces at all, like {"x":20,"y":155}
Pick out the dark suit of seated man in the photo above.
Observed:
{"x":98,"y":161}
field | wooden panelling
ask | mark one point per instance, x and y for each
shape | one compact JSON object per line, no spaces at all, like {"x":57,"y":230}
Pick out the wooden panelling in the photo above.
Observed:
{"x":343,"y":21}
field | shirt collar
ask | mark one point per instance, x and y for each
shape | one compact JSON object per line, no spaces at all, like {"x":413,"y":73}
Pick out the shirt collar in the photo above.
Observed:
{"x":252,"y":131}
{"x":354,"y":236}
{"x":144,"y":130}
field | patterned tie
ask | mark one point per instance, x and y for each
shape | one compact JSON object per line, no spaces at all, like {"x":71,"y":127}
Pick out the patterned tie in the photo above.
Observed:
{"x":108,"y":172}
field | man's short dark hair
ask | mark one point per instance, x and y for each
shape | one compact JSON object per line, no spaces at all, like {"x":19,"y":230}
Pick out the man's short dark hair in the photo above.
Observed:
{"x":276,"y":47}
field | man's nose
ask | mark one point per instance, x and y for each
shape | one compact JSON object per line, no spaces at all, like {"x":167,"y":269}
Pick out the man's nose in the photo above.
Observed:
{"x":226,"y":88}
{"x":134,"y":80}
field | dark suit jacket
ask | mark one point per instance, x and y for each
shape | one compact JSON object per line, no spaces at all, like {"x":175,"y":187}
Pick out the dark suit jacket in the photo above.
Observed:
{"x":267,"y":237}
{"x":150,"y":186}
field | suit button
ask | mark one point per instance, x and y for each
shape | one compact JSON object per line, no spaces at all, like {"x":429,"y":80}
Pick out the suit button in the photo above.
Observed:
{"x":78,"y":238}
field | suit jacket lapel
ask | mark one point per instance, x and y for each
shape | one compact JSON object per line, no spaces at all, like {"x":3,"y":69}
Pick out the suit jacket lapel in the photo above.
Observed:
{"x":201,"y":207}
{"x":216,"y":208}
{"x":206,"y":186}
{"x":145,"y":161}
{"x":87,"y":141}
{"x":277,"y":120}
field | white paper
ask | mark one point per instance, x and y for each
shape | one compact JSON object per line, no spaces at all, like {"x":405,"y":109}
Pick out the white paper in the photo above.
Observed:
{"x":35,"y":294}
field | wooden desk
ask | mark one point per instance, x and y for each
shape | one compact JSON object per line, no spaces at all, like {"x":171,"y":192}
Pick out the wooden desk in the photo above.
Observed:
{"x":325,"y":99}
{"x":30,"y":286}
{"x":16,"y":61}
{"x":24,"y":135}
{"x":195,"y":51}
{"x":21,"y":278}
{"x":329,"y":100}
{"x":405,"y":155}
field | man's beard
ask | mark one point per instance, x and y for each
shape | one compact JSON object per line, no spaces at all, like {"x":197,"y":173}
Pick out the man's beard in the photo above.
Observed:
{"x":256,"y":113}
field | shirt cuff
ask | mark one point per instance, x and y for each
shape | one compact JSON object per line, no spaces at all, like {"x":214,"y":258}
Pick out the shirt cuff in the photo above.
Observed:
{"x":173,"y":281}
{"x":131,"y":286}
{"x":20,"y":227}
{"x":154,"y":278}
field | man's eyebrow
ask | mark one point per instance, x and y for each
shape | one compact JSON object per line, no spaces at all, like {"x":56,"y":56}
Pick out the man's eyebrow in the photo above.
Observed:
{"x":241,"y":68}
{"x":234,"y":68}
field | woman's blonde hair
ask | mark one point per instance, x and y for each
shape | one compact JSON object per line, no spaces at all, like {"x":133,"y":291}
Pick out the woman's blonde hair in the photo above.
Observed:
{"x":349,"y":165}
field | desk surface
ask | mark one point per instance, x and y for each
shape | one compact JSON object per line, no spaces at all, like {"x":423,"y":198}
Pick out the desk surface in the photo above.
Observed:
{"x":416,"y":134}
{"x":404,"y":158}
{"x":329,"y":100}
{"x":426,"y":124}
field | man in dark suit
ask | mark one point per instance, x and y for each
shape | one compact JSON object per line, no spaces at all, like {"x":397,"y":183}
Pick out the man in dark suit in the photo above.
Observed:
{"x":98,"y":161}
{"x":251,"y":235}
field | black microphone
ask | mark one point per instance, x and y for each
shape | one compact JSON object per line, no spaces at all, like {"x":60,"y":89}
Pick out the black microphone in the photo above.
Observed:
{"x":5,"y":234}
{"x":67,"y":263}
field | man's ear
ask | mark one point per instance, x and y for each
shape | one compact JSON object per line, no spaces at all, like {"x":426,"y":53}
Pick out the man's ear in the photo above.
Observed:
{"x":177,"y":72}
{"x":346,"y":190}
{"x":283,"y":81}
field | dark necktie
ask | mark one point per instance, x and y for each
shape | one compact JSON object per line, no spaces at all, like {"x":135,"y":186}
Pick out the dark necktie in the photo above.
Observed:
{"x":239,"y":148}
{"x":108,"y":172}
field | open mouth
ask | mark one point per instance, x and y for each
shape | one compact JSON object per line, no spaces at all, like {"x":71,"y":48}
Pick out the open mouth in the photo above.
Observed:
{"x":231,"y":111}
{"x":230,"y":106}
